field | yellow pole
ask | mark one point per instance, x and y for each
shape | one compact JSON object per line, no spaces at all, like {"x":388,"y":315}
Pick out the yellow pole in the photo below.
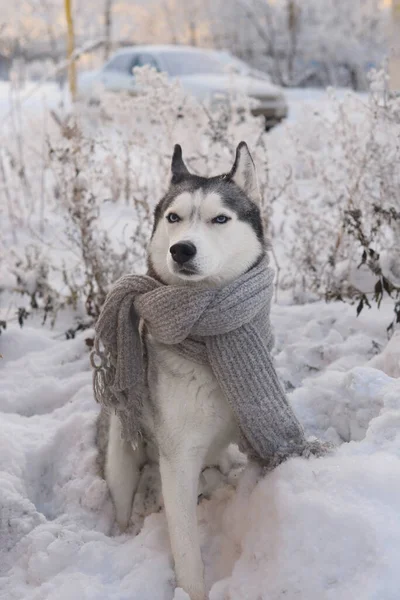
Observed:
{"x":70,"y":48}
{"x":394,"y":61}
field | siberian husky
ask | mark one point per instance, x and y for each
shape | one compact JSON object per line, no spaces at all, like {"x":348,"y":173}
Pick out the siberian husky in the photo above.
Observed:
{"x":207,"y":232}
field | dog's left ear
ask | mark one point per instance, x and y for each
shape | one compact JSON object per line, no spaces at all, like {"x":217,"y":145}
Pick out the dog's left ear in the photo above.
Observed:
{"x":244,"y":174}
{"x":178,"y":167}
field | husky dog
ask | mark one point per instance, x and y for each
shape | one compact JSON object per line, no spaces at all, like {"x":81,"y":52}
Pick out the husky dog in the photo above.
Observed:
{"x":207,"y":232}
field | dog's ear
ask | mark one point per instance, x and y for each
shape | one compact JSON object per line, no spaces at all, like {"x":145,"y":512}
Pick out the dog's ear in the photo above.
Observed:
{"x":178,"y":167}
{"x":244,"y":174}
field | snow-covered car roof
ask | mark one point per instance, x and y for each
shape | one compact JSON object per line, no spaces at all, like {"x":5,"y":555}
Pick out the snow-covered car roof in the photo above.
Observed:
{"x":181,"y":60}
{"x":163,"y":48}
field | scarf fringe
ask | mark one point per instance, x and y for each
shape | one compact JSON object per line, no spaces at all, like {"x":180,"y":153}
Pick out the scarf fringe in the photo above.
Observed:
{"x":112,"y":400}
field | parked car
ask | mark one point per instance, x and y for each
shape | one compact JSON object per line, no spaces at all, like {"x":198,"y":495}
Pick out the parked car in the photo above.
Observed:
{"x":207,"y":74}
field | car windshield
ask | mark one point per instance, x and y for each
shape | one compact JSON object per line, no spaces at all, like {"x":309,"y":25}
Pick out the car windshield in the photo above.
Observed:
{"x":192,"y":63}
{"x":239,"y":66}
{"x":234,"y":63}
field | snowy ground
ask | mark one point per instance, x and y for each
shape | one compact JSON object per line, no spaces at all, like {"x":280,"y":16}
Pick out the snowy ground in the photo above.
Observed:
{"x":322,"y":529}
{"x":326,"y":529}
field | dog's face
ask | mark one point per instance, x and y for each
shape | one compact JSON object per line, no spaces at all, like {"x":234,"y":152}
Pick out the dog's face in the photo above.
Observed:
{"x":207,"y":230}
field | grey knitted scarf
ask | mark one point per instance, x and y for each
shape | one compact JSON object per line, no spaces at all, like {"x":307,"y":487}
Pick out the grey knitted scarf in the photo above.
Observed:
{"x":227,"y":329}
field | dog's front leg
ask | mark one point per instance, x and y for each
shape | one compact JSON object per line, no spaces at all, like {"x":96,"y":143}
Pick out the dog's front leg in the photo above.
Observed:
{"x":180,"y":478}
{"x":122,"y":472}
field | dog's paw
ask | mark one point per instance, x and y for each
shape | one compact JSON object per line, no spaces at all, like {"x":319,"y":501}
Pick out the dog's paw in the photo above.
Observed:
{"x":180,"y":594}
{"x":122,"y":525}
{"x":210,"y":479}
{"x":232,"y":459}
{"x":119,"y":527}
{"x":122,"y":518}
{"x":148,"y":495}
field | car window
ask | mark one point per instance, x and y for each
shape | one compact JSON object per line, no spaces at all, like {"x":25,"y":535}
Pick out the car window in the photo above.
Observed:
{"x":146,"y":59}
{"x":121,"y":62}
{"x":191,"y":63}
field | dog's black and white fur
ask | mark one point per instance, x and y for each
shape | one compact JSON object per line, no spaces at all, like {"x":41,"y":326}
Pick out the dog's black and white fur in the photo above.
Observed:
{"x":207,"y":232}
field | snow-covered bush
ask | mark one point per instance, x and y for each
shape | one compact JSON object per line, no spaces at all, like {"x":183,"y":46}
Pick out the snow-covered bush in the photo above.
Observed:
{"x":78,"y":192}
{"x":341,"y":228}
{"x":83,"y":187}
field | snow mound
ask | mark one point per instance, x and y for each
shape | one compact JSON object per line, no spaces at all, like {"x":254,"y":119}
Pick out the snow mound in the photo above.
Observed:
{"x":317,"y":530}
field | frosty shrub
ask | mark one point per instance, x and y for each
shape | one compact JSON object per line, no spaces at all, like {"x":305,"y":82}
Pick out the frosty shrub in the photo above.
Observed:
{"x":342,"y":207}
{"x":82,"y":187}
{"x":78,"y":193}
{"x":304,"y":42}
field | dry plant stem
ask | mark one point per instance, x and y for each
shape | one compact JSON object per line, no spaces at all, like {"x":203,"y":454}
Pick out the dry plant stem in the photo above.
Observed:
{"x":43,"y":177}
{"x":17,"y":128}
{"x":11,"y":213}
{"x":127,"y":186}
{"x":350,"y":199}
{"x":278,"y":270}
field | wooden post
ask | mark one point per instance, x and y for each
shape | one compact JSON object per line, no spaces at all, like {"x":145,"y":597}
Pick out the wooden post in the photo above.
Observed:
{"x":107,"y":28}
{"x":394,"y":61}
{"x":70,"y":48}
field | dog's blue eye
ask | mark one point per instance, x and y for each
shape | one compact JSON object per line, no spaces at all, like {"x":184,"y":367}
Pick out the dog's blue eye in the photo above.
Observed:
{"x":221,"y":219}
{"x":173,"y":218}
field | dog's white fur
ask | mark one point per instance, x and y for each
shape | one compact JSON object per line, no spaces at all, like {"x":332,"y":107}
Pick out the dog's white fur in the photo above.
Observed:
{"x":194,"y":422}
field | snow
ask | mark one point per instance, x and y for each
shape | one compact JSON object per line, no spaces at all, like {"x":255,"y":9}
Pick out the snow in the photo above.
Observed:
{"x":318,"y":529}
{"x":311,"y":530}
{"x":34,"y":96}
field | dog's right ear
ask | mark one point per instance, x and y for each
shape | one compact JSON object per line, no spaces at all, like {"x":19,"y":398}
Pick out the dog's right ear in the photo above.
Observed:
{"x":178,"y":167}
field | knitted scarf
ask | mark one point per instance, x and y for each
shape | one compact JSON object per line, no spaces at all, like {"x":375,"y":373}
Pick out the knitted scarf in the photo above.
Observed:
{"x":227,"y":329}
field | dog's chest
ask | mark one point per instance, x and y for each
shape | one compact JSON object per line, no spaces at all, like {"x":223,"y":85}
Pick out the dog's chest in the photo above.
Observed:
{"x":187,"y":400}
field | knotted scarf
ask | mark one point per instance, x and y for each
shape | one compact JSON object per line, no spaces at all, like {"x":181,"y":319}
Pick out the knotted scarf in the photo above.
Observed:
{"x":226,"y":328}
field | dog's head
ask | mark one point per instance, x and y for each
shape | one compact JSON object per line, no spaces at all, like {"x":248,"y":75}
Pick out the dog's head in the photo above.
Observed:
{"x":207,"y":230}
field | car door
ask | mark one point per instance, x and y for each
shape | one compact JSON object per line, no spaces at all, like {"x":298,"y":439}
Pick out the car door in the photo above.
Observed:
{"x":117,"y":73}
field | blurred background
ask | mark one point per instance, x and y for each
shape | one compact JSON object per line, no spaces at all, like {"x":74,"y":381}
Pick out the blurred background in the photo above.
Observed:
{"x":297,"y":42}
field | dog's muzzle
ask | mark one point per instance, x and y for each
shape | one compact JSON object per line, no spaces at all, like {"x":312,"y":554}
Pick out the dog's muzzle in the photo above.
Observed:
{"x":182,"y":252}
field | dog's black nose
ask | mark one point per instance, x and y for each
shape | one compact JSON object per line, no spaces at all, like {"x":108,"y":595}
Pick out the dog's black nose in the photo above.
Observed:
{"x":182,"y":252}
